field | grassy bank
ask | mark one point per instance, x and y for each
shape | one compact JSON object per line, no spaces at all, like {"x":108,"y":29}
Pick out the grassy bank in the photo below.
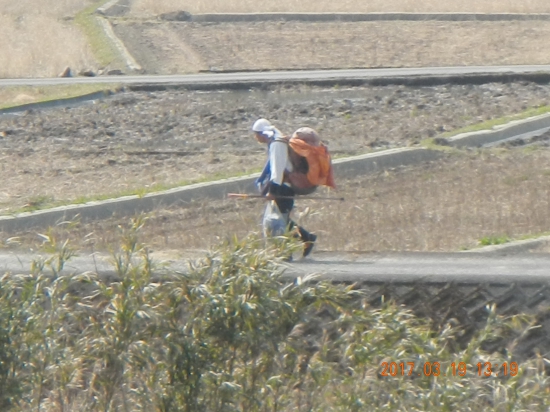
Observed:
{"x":102,"y":48}
{"x":18,"y":95}
{"x":488,"y":125}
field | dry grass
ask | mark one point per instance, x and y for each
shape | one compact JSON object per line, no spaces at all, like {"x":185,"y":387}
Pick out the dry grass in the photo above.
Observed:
{"x":48,"y":8}
{"x":31,"y":53}
{"x":17,"y":95}
{"x":38,"y":41}
{"x":296,"y":45}
{"x":443,"y":206}
{"x":148,"y":7}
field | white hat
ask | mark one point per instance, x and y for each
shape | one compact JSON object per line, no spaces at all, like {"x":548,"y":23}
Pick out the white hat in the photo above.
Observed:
{"x":261,"y":125}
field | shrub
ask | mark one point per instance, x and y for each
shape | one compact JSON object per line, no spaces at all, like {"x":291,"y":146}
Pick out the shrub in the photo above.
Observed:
{"x":233,"y":333}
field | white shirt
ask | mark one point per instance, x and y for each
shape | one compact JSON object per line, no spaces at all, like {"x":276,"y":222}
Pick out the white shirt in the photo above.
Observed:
{"x":279,"y":161}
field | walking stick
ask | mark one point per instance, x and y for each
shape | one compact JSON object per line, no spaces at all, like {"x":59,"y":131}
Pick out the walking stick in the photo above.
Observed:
{"x":247,"y":196}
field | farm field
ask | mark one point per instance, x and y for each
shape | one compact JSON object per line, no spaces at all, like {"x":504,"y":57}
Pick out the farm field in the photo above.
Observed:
{"x":153,"y":7}
{"x":180,"y":47}
{"x":28,"y":52}
{"x":134,"y":142}
{"x":417,"y":208}
{"x":164,"y":47}
{"x":227,"y":335}
{"x":137,"y":142}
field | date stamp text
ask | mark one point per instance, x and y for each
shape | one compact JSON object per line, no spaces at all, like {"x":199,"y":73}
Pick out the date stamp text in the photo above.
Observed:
{"x":454,"y":369}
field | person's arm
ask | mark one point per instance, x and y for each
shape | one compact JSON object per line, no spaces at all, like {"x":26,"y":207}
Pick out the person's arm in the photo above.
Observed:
{"x":262,"y":182}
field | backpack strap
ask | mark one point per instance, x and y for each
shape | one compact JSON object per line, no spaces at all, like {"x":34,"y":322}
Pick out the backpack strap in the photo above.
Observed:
{"x":284,"y":139}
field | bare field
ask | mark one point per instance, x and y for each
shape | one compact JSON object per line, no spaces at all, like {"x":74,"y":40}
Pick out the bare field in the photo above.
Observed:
{"x":39,"y":41}
{"x":169,"y":48}
{"x":162,"y":48}
{"x":445,"y":205}
{"x":165,"y":48}
{"x":136,"y":142}
{"x":148,"y":7}
{"x":145,"y":141}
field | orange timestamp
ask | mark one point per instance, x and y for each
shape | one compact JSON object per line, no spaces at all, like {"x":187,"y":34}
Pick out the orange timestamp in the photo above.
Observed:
{"x":454,"y":369}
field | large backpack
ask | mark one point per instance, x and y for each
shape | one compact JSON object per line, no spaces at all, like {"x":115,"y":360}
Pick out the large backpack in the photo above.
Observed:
{"x":311,"y":162}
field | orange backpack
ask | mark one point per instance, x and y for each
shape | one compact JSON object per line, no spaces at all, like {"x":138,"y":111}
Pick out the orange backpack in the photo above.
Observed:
{"x":311,"y":162}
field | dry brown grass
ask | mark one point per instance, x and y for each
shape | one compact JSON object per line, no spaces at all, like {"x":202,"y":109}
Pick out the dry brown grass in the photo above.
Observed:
{"x":298,"y":45}
{"x":28,"y":52}
{"x":31,"y":53}
{"x":17,"y":95}
{"x":37,"y":41}
{"x":50,"y":8}
{"x":148,"y":7}
{"x":442,"y":206}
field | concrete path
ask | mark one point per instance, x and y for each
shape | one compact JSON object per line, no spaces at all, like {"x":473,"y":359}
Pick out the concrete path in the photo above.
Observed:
{"x":433,"y":268}
{"x":214,"y":79}
{"x":427,"y":267}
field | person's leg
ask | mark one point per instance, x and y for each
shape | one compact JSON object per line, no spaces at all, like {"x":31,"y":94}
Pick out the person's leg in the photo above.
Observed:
{"x":274,"y":222}
{"x":308,"y":245}
{"x":307,"y":237}
{"x":304,"y":235}
{"x":286,"y":205}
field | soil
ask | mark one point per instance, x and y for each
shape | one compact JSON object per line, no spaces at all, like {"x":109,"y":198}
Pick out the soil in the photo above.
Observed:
{"x":187,"y":47}
{"x":136,"y":141}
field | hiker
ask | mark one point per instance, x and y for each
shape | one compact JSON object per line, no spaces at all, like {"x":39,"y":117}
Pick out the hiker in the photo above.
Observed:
{"x":265,"y":132}
{"x":274,"y":186}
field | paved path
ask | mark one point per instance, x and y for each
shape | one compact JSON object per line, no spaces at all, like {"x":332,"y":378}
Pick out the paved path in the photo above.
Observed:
{"x":398,"y":267}
{"x":297,"y":75}
{"x":428,"y":267}
{"x":370,"y":267}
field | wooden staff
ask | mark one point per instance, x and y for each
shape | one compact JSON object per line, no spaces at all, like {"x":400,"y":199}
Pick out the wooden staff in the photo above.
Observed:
{"x":247,"y":196}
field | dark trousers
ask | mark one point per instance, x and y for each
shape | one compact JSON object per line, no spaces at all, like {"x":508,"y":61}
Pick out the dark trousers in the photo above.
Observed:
{"x":285,"y":205}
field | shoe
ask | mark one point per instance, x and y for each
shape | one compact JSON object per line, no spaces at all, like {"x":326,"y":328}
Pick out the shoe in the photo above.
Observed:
{"x":308,"y":246}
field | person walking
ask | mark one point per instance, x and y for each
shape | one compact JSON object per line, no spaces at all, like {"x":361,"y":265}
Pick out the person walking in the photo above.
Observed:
{"x":273,"y":185}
